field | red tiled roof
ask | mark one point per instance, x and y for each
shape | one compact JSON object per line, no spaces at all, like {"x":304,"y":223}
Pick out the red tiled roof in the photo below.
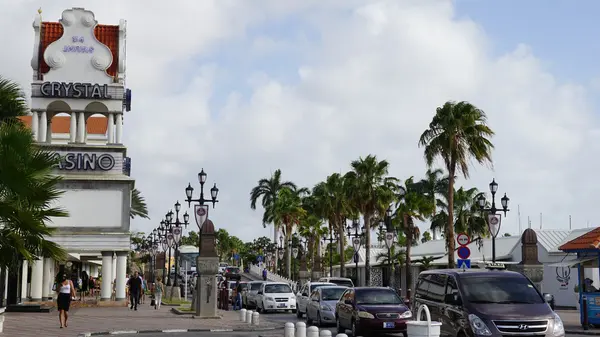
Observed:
{"x":589,"y":240}
{"x":62,"y":124}
{"x":106,"y":34}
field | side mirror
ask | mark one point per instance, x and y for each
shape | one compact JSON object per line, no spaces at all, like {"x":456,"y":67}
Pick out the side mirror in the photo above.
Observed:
{"x":548,"y":297}
{"x":348,"y":302}
{"x":453,"y":299}
{"x":260,"y":292}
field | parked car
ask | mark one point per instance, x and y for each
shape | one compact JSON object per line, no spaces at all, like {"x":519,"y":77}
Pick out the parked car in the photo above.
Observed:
{"x":340,"y":281}
{"x":250,"y":296}
{"x":371,"y":310}
{"x":275,"y":296}
{"x":303,"y":296}
{"x":321,"y":307}
{"x":232,"y":273}
{"x":222,"y":266}
{"x":486,"y":302}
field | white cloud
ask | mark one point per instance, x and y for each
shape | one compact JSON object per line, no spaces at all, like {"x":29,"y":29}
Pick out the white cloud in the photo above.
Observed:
{"x":370,"y":84}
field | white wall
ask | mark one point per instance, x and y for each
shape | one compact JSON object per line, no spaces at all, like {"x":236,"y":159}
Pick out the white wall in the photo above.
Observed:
{"x":91,"y":208}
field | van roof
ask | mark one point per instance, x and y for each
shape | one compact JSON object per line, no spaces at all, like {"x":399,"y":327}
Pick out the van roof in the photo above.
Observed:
{"x":471,"y":272}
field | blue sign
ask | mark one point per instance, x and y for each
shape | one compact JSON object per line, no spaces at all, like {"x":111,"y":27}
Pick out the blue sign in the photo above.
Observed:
{"x":463,"y":252}
{"x":259,"y":258}
{"x":463,"y":263}
{"x":236,"y":257}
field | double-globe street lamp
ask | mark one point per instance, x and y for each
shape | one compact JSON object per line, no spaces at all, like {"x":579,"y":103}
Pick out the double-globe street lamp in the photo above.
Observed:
{"x":389,"y":240}
{"x":356,"y":237}
{"x":281,"y":249}
{"x":330,"y":239}
{"x":174,"y":227}
{"x":168,"y":240}
{"x":494,"y":220}
{"x":151,"y":244}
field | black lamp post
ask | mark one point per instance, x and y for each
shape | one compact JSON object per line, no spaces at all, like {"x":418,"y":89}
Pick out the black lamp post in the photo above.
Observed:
{"x":175,"y":228}
{"x":356,"y":243}
{"x":389,"y":240}
{"x":295,"y":251}
{"x":170,"y":244}
{"x":269,"y":258}
{"x":280,"y":249}
{"x":494,"y":220}
{"x":165,"y":247}
{"x":330,"y":239}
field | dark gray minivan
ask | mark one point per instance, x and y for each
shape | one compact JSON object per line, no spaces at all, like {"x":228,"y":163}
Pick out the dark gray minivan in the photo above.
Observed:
{"x":485,"y":302}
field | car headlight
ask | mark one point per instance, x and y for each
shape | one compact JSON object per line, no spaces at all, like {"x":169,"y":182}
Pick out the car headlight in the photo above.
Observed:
{"x":559,"y":328}
{"x":325,"y":307}
{"x":406,"y":314}
{"x":270,"y":299}
{"x":478,"y":326}
{"x":364,"y":314}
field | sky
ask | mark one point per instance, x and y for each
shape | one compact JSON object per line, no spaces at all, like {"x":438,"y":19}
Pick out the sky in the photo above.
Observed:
{"x":242,"y":88}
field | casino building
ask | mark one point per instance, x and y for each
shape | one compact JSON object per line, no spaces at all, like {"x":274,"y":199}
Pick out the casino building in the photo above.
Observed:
{"x":78,"y":102}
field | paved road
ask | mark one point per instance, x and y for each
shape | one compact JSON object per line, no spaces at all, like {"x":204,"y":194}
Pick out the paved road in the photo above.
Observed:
{"x":203,"y":334}
{"x":285,"y":317}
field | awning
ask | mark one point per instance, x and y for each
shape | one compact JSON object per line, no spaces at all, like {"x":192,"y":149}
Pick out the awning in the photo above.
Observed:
{"x":74,"y":257}
{"x":572,"y":262}
{"x":96,"y":262}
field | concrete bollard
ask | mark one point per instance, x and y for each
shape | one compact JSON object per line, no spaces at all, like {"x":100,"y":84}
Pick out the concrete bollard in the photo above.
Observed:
{"x":341,"y":335}
{"x":1,"y":320}
{"x":325,"y":333}
{"x":255,"y":318}
{"x":249,"y":317}
{"x":300,"y":329}
{"x":243,"y":315}
{"x":312,"y":331}
{"x":288,"y":331}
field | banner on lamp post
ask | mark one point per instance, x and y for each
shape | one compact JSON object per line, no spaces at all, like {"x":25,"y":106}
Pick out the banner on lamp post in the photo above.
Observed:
{"x":201,"y":213}
{"x":356,"y":244}
{"x":494,"y":221}
{"x":389,"y":239}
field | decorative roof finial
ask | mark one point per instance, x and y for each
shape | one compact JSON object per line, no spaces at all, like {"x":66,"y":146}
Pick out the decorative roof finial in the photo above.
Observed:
{"x":40,"y":11}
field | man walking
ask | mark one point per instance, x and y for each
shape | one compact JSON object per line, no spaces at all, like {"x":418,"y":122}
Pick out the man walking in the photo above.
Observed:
{"x":135,"y":288}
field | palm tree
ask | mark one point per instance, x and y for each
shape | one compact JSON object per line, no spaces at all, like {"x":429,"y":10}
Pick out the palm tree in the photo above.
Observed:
{"x":467,"y":215}
{"x":267,"y":190}
{"x":138,"y":205}
{"x":457,"y":133}
{"x":370,"y":192}
{"x":13,"y":102}
{"x":311,"y":227}
{"x":433,"y":185}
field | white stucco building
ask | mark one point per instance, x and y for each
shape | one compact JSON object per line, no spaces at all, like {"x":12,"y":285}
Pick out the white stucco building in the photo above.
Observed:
{"x":78,"y":100}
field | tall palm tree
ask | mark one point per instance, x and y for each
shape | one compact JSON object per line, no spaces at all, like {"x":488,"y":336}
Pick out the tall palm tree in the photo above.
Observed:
{"x":370,"y":192}
{"x":267,"y":190}
{"x":468,"y":218}
{"x":311,"y":227}
{"x":457,"y":133}
{"x":138,"y":205}
{"x":13,"y":102}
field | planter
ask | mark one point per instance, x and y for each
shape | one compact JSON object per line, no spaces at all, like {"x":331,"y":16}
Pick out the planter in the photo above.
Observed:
{"x":420,"y":328}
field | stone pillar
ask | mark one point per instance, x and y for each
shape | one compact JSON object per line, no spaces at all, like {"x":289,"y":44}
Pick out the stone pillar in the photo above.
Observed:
{"x":24,"y":274}
{"x":114,"y":269}
{"x":37,"y":278}
{"x":121,"y":271}
{"x":73,"y":128}
{"x":43,"y":126}
{"x":35,"y":125}
{"x":106,"y":287}
{"x":111,"y":129}
{"x":119,"y":126}
{"x":530,"y":265}
{"x":81,"y":127}
{"x":94,"y":271}
{"x":49,"y":131}
{"x":207,"y":265}
{"x":47,"y":279}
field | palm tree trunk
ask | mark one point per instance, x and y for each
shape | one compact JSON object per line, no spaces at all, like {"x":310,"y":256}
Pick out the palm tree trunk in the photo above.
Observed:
{"x":450,"y":224}
{"x":342,"y":247}
{"x":367,"y":220}
{"x":288,"y":240}
{"x":275,"y":240}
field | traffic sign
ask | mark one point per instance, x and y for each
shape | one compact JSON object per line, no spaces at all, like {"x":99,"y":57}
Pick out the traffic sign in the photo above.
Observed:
{"x":463,"y":252}
{"x":463,"y":263}
{"x":236,"y":257}
{"x":259,"y":258}
{"x":463,"y":239}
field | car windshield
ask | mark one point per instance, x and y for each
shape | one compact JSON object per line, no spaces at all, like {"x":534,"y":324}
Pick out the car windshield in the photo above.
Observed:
{"x":232,"y":269}
{"x":315,"y":286}
{"x":377,"y":296}
{"x":244,"y":286}
{"x":231,"y":285}
{"x":277,"y":289}
{"x":332,"y":294}
{"x":255,"y":286}
{"x":345,"y":283}
{"x":500,"y":290}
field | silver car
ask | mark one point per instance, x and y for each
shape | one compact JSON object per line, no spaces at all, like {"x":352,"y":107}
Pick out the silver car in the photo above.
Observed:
{"x":303,"y":295}
{"x":250,"y":296}
{"x":321,"y":308}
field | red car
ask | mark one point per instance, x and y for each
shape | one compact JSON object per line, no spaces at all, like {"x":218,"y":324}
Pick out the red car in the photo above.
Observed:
{"x":370,"y":310}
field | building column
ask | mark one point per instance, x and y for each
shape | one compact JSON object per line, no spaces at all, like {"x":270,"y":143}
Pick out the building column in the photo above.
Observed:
{"x":35,"y":125}
{"x":121,"y":271}
{"x":47,"y":279}
{"x":111,"y":129}
{"x":94,"y":270}
{"x":119,"y":136}
{"x":49,"y":131}
{"x":106,"y":287}
{"x":73,"y":128}
{"x":24,"y":275}
{"x":81,"y":127}
{"x":43,"y":126}
{"x":37,"y":279}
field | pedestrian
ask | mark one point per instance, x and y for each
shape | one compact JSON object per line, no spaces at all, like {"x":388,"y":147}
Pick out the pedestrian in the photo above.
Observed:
{"x":143,"y":293}
{"x":159,"y":289}
{"x":238,"y":296}
{"x":85,"y":283}
{"x":65,"y":293}
{"x":135,"y":286}
{"x":264,"y":274}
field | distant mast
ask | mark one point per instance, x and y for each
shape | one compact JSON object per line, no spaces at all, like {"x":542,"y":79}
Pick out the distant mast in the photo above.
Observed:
{"x":519,"y":215}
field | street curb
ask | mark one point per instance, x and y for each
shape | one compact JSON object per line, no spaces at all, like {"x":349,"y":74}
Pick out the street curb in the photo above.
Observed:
{"x":131,"y":332}
{"x":583,"y":332}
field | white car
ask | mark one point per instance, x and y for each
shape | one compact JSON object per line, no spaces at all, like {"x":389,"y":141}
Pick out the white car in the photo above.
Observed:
{"x":303,"y":295}
{"x":275,"y":296}
{"x":222,"y":267}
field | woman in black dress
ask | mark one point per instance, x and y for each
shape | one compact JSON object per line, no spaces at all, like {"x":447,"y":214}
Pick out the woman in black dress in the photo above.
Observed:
{"x":66,"y":291}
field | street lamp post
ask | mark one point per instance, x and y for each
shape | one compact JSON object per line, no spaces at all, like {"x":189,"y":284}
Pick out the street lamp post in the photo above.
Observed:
{"x":389,"y":241}
{"x":281,"y":249}
{"x":165,"y":246}
{"x":356,"y":243}
{"x":330,"y":239}
{"x":175,"y":228}
{"x":295,"y":251}
{"x":170,"y":243}
{"x":494,"y":219}
{"x":269,"y":258}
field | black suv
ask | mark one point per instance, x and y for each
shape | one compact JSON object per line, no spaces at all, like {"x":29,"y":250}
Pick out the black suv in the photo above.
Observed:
{"x":485,"y":302}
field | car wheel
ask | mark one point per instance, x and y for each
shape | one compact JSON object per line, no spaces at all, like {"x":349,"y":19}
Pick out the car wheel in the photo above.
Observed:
{"x":298,"y":313}
{"x":258,"y":309}
{"x":355,"y":332}
{"x":294,"y":311}
{"x":340,"y":328}
{"x":264,"y":311}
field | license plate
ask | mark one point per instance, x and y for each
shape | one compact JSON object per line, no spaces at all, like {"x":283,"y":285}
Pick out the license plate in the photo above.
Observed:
{"x":281,"y":305}
{"x":389,"y":325}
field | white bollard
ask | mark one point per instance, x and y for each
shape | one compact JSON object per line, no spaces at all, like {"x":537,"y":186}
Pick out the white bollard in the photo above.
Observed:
{"x":341,"y":335}
{"x":325,"y":333}
{"x":288,"y":331}
{"x":1,"y":322}
{"x":243,"y":315}
{"x":255,"y":318}
{"x":249,"y":317}
{"x":300,"y":329}
{"x":312,"y":331}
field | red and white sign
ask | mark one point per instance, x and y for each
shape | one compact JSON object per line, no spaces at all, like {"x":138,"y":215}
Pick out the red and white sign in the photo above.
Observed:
{"x":463,"y":239}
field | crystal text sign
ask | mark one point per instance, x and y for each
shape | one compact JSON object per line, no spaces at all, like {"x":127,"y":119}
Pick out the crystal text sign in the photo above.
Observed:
{"x":75,"y":90}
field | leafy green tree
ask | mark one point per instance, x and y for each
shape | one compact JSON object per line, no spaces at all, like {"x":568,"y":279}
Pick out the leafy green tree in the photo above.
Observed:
{"x":426,"y":237}
{"x":457,"y":133}
{"x":191,"y":239}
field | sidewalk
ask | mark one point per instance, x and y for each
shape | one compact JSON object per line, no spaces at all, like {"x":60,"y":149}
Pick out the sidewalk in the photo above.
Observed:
{"x":82,"y":320}
{"x":572,"y":324}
